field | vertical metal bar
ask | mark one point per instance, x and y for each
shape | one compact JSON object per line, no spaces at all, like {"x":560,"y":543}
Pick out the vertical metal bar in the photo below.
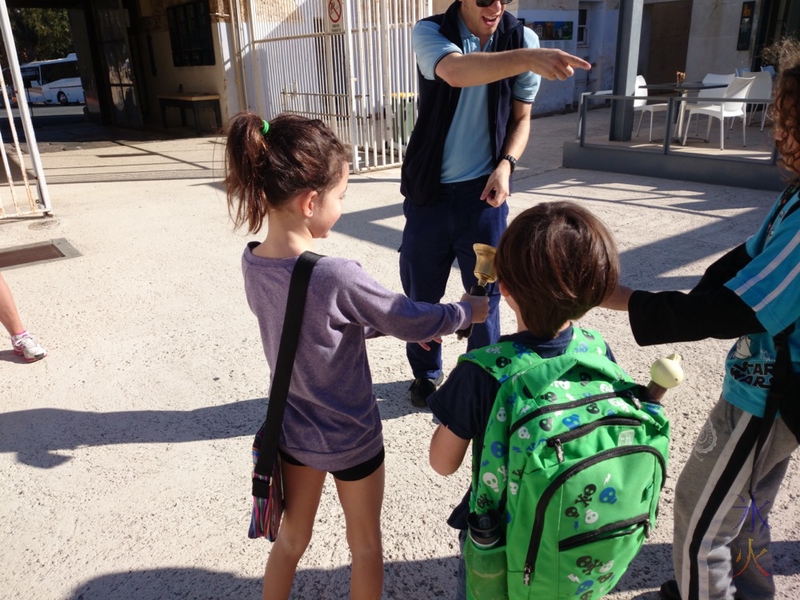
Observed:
{"x":364,"y":89}
{"x":255,"y":60}
{"x":670,"y":118}
{"x":366,"y":58}
{"x":368,"y":90}
{"x":236,"y":32}
{"x":387,"y":114}
{"x":582,"y":136}
{"x":6,"y":164}
{"x":351,"y":84}
{"x":330,"y":100}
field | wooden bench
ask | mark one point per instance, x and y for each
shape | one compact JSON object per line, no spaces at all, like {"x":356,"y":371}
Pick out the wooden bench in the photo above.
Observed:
{"x":194,"y":101}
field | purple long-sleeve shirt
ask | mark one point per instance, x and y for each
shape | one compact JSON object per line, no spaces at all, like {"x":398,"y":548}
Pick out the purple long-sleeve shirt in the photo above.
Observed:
{"x":332,"y":420}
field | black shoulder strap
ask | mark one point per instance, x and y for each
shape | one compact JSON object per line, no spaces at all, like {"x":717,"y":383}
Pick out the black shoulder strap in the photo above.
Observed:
{"x":290,"y":335}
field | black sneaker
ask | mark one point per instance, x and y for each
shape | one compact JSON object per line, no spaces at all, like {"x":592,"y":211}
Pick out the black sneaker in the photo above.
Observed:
{"x":421,"y":388}
{"x":670,"y":591}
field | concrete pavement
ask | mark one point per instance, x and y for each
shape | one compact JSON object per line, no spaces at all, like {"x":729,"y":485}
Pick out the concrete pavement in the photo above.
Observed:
{"x":125,"y":453}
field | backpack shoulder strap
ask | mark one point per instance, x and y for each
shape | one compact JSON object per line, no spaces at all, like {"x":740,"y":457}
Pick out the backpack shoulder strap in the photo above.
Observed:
{"x":505,"y":359}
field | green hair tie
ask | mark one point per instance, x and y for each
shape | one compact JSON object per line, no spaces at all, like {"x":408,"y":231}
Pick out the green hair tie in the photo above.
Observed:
{"x":265,"y":128}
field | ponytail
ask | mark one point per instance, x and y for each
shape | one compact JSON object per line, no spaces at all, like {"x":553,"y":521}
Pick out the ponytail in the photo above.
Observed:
{"x":269,"y":163}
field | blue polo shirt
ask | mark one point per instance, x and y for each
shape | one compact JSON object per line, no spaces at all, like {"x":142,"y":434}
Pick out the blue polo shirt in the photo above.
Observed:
{"x":468,"y":147}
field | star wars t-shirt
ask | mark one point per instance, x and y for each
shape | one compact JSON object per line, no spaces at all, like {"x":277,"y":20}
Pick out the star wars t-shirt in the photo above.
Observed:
{"x":770,"y":285}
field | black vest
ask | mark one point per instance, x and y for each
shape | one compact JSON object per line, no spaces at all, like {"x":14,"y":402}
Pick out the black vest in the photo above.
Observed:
{"x":422,"y":166}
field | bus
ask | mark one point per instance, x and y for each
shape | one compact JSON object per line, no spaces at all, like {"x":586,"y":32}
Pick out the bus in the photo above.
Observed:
{"x":53,"y":81}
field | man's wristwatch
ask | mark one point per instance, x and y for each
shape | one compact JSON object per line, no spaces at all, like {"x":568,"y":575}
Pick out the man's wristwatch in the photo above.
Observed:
{"x":511,"y":160}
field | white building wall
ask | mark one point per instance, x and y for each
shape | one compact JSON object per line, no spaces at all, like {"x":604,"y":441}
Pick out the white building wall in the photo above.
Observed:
{"x":557,"y":96}
{"x":713,"y":36}
{"x":169,"y":79}
{"x":554,"y":96}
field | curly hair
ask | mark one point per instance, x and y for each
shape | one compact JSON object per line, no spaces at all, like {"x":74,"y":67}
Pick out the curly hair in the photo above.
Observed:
{"x":786,"y":109}
{"x":263,"y":171}
{"x":558,"y":261}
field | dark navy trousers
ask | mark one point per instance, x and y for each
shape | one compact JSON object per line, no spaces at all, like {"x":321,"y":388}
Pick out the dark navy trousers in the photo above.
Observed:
{"x":435,"y":236}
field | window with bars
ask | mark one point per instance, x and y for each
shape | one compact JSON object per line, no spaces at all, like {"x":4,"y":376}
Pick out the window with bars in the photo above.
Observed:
{"x":190,"y":34}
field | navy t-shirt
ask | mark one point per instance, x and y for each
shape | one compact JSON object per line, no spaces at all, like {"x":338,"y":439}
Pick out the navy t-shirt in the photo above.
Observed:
{"x":464,"y":402}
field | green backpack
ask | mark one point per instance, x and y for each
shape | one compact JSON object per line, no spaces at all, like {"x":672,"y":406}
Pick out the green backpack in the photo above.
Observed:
{"x":573,"y":461}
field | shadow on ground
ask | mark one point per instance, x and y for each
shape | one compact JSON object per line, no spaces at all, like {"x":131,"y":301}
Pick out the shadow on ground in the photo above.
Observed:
{"x":418,"y":580}
{"x":43,"y":437}
{"x":38,"y":436}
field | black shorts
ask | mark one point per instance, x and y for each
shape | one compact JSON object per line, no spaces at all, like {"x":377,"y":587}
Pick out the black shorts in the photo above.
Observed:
{"x":360,"y":471}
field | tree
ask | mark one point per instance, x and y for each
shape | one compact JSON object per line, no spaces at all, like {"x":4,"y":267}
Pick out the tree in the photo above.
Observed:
{"x":40,"y":33}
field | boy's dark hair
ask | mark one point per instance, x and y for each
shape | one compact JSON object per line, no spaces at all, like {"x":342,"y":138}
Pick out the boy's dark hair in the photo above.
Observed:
{"x":557,"y":260}
{"x":264,"y":171}
{"x":786,"y":109}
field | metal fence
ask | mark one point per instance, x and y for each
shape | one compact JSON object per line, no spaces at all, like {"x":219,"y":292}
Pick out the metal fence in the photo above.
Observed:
{"x":346,"y":62}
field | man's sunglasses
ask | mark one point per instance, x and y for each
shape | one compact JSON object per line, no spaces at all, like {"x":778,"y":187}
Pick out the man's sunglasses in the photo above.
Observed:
{"x":487,"y":3}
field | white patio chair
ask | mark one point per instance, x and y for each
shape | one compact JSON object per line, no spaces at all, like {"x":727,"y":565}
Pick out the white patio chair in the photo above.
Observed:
{"x":714,"y":79}
{"x":760,"y":90}
{"x":722,"y":79}
{"x":769,"y":69}
{"x":736,"y":90}
{"x":641,"y":105}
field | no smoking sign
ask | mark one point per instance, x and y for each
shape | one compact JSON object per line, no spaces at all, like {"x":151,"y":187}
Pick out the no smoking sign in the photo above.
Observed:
{"x":336,"y":16}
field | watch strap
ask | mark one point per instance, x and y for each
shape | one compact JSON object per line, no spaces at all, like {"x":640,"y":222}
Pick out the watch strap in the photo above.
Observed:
{"x":511,"y":160}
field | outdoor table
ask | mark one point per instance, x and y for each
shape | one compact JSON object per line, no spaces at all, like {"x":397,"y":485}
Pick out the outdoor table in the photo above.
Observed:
{"x":683,"y":89}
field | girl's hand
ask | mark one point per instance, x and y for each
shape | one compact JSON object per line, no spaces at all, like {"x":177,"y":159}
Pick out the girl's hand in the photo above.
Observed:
{"x":426,"y":346}
{"x":480,"y":307}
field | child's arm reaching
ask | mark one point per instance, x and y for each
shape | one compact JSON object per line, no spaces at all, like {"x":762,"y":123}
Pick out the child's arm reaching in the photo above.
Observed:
{"x":663,"y":317}
{"x":619,"y":298}
{"x":361,"y":300}
{"x":447,"y":451}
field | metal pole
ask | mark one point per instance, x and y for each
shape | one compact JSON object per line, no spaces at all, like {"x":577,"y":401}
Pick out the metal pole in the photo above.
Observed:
{"x":670,"y":118}
{"x":387,"y":114}
{"x":238,"y":69}
{"x":351,"y":82}
{"x":24,"y":113}
{"x":582,"y":124}
{"x":260,"y":91}
{"x":627,"y":59}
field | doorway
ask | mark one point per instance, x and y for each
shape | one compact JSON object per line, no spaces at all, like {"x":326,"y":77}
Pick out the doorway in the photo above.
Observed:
{"x":114,"y":58}
{"x":665,"y":40}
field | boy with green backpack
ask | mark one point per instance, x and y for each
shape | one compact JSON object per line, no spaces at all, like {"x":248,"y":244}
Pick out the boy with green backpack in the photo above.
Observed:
{"x":569,"y":454}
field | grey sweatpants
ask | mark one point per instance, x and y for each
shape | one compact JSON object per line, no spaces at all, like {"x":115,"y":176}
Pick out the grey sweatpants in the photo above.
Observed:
{"x":721,"y":537}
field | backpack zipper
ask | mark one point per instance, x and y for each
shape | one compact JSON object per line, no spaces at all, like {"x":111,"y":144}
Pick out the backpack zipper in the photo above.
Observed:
{"x":541,"y":507}
{"x":574,"y":404}
{"x":568,"y":436}
{"x":609,"y":531}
